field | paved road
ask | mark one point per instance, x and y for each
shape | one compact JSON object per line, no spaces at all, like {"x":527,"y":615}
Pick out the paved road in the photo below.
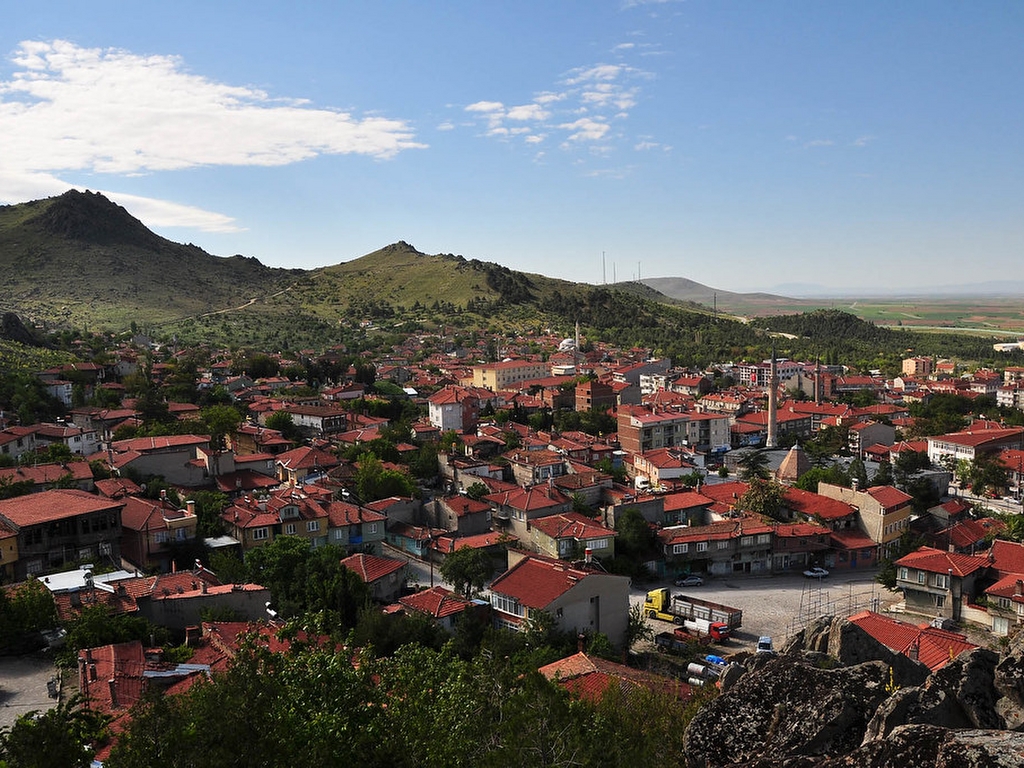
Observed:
{"x":781,"y":605}
{"x":23,"y":686}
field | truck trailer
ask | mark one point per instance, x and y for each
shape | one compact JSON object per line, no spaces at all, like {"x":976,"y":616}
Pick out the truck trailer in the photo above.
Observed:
{"x":661,"y":604}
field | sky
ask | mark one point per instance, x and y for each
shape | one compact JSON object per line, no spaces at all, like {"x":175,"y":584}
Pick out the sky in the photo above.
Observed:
{"x":747,"y":145}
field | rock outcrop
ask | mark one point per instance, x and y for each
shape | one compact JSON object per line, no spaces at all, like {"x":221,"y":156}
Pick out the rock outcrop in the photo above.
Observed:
{"x":787,"y":708}
{"x":834,"y":697}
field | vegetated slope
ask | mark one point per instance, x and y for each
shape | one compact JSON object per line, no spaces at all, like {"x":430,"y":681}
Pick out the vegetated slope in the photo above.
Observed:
{"x":837,"y":336}
{"x":687,"y":290}
{"x":81,"y":258}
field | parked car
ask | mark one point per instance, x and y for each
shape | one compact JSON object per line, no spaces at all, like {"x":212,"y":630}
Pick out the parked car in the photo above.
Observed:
{"x":816,"y":573}
{"x":693,"y":580}
{"x":764,"y":644}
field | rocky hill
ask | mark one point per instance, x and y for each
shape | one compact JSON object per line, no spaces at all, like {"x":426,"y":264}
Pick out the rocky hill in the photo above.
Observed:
{"x":835,"y":697}
{"x":81,"y":258}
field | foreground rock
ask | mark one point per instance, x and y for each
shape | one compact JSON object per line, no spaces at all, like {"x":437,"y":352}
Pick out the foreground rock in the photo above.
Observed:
{"x":836,"y":697}
{"x":786,"y":708}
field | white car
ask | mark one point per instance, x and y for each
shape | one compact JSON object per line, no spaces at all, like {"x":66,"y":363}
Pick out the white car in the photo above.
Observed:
{"x":693,"y":580}
{"x":816,"y":573}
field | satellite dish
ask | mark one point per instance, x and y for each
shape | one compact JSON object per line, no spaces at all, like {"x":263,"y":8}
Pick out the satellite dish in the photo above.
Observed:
{"x":142,"y":487}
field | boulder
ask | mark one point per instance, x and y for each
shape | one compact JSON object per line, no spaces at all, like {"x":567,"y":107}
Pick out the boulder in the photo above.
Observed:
{"x":785,"y":708}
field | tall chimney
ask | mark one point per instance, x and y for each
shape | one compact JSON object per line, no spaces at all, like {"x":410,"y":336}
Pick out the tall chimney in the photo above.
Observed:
{"x":773,"y":384}
{"x":113,"y":693}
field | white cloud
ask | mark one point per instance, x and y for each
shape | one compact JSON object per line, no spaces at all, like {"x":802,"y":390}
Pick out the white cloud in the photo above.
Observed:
{"x":624,"y":46}
{"x":820,"y":143}
{"x":549,"y":98}
{"x":534,"y":138}
{"x":528,"y":112}
{"x":110,"y":111}
{"x":447,"y":125}
{"x":585,"y":129}
{"x":587,"y":99}
{"x":863,"y":141}
{"x":486,"y":107}
{"x":596,"y":73}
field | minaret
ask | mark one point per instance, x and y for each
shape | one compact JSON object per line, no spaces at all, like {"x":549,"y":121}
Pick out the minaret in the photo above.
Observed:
{"x":773,"y":386}
{"x":817,"y":381}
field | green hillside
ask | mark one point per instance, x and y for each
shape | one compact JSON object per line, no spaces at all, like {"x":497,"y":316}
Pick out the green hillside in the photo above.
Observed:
{"x":81,"y":259}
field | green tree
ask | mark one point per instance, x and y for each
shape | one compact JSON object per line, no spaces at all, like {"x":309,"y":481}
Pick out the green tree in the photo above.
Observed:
{"x":477,"y":491}
{"x":764,"y":497}
{"x":220,"y":421}
{"x":467,"y":569}
{"x":635,"y":537}
{"x":283,"y":423}
{"x":61,"y":736}
{"x":24,"y":611}
{"x":637,"y":629}
{"x":832,"y":474}
{"x":754,"y":465}
{"x":209,"y":506}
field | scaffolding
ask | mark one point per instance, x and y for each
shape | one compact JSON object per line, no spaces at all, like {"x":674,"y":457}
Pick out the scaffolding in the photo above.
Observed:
{"x":817,"y":600}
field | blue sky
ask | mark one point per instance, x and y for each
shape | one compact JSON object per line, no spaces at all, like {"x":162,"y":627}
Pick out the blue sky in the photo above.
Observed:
{"x":745,"y":145}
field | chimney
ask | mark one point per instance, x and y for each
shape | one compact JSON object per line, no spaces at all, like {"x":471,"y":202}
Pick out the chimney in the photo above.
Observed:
{"x":1018,"y":588}
{"x":581,"y":640}
{"x":191,"y":506}
{"x":588,"y":555}
{"x":113,"y":693}
{"x":163,"y":495}
{"x":92,"y":671}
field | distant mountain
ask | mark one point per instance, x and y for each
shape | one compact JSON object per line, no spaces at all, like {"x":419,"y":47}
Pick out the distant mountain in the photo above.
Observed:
{"x":80,"y":257}
{"x":82,"y":260}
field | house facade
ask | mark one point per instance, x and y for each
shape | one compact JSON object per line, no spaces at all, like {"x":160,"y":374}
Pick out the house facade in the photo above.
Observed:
{"x":59,"y":527}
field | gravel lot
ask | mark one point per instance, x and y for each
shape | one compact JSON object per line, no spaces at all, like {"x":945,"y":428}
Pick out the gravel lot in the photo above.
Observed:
{"x":23,"y":686}
{"x":781,"y":605}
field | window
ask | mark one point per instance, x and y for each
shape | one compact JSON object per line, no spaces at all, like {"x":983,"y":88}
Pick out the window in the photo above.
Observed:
{"x":339,"y":534}
{"x":312,"y":526}
{"x":940,"y":601}
{"x":702,"y":546}
{"x":259,"y":534}
{"x":680,"y":549}
{"x":507,"y":604}
{"x":941,"y":581}
{"x":747,"y":541}
{"x":289,"y":529}
{"x":764,"y":538}
{"x":371,"y":528}
{"x":723,"y":545}
{"x":161,"y":537}
{"x":920,"y":577}
{"x":599,"y":544}
{"x":904,"y":574}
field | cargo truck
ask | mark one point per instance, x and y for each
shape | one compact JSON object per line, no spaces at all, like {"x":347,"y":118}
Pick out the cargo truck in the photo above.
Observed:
{"x":661,"y":604}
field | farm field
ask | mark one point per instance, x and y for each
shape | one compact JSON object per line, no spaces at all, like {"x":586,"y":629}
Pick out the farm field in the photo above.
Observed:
{"x":980,"y":315}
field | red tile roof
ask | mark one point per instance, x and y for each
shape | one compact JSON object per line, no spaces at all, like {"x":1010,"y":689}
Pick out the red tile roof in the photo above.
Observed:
{"x":370,"y":568}
{"x":571,"y":525}
{"x":1007,"y":557}
{"x":52,"y":505}
{"x":938,"y":561}
{"x":934,"y":647}
{"x":536,"y":582}
{"x":589,"y":677}
{"x":889,"y":497}
{"x":437,"y":602}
